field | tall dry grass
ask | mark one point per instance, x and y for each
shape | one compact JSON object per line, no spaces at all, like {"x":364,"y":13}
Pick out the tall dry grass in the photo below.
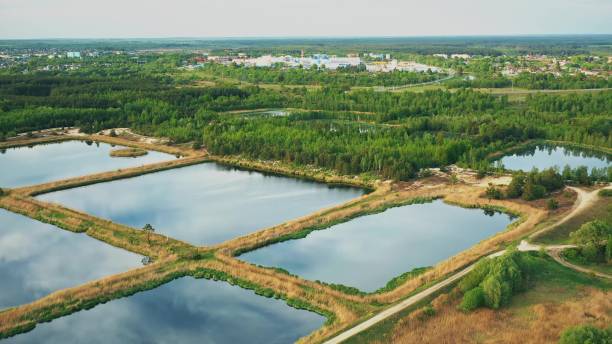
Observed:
{"x":537,"y":324}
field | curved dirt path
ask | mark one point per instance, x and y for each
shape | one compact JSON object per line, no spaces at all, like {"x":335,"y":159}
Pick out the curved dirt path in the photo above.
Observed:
{"x":556,"y":255}
{"x":398,"y":307}
{"x":583,"y":201}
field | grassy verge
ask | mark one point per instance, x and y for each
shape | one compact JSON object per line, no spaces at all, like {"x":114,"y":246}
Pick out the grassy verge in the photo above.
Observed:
{"x":303,"y":172}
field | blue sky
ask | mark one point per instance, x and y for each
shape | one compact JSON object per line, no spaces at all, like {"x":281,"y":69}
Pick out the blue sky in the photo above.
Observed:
{"x":223,"y":18}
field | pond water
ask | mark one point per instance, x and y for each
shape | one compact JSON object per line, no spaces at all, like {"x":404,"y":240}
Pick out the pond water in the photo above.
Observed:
{"x":42,"y":163}
{"x":37,"y":258}
{"x":204,"y":204}
{"x":368,"y":251}
{"x":543,"y":157}
{"x":183,"y":311}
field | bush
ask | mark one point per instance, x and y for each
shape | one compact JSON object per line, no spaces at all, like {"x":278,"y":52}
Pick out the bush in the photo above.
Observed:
{"x":197,"y":143}
{"x":473,"y":299}
{"x":552,"y":204}
{"x":593,"y":240}
{"x":494,"y":280}
{"x":515,"y":188}
{"x":586,"y":334}
{"x":533,"y":191}
{"x":605,"y":193}
{"x":481,"y":173}
{"x":493,"y":192}
{"x":534,"y":185}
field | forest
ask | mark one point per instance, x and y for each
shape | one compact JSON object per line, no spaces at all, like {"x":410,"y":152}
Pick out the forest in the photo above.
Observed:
{"x":361,"y":131}
{"x":534,"y":81}
{"x":347,"y":77}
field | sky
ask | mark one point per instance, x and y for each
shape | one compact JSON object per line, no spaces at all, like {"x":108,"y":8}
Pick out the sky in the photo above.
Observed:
{"x":290,"y":18}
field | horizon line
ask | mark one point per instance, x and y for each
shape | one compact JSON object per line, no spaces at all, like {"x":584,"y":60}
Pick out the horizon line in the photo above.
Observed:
{"x":237,"y":37}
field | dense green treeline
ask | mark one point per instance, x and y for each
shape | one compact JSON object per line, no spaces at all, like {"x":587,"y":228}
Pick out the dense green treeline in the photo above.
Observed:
{"x":588,"y":103}
{"x":299,"y":76}
{"x":393,"y":135}
{"x":534,"y":81}
{"x":346,"y":147}
{"x":392,"y":106}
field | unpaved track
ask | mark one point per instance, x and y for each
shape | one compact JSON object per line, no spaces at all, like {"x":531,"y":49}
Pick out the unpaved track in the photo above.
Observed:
{"x":584,"y":200}
{"x":524,"y":247}
{"x":398,"y":307}
{"x":556,"y":255}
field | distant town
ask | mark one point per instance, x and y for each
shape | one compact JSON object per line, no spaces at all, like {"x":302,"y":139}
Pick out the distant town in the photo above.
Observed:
{"x":370,"y":62}
{"x":374,"y":62}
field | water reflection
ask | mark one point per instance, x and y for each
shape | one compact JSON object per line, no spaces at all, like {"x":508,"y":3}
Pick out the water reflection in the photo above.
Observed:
{"x":183,"y":311}
{"x":203,"y":204}
{"x":369,"y":251}
{"x":543,"y":157}
{"x":44,"y":163}
{"x":36,"y":259}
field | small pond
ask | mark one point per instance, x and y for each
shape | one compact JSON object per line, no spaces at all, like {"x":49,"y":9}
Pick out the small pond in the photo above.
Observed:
{"x":204,"y":204}
{"x":43,"y":163}
{"x":543,"y":157}
{"x":368,"y":251}
{"x":37,"y":259}
{"x":182,"y":311}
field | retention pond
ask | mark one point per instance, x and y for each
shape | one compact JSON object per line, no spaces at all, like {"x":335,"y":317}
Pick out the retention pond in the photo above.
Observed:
{"x":183,"y":311}
{"x":204,"y":204}
{"x":369,"y":251}
{"x":37,"y":259}
{"x":43,"y":163}
{"x":543,"y":157}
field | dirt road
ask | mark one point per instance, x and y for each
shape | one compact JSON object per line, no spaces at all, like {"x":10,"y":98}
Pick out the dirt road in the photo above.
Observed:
{"x":583,"y":201}
{"x":398,"y":307}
